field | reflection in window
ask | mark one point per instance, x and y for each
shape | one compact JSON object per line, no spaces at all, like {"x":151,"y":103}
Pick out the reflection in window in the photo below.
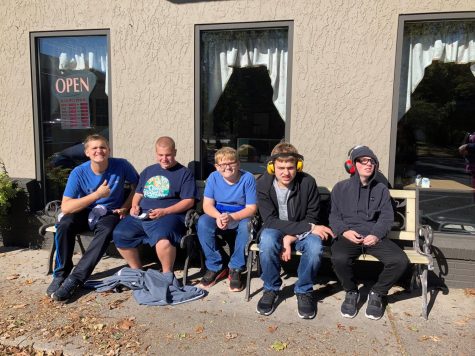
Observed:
{"x":72,"y":102}
{"x":437,"y":122}
{"x":243,"y":91}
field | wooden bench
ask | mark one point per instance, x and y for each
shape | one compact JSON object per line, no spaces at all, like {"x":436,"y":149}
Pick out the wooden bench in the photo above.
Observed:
{"x":406,"y":229}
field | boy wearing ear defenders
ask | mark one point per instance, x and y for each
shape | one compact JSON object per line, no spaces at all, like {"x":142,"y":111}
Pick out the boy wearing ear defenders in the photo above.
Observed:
{"x":289,"y":204}
{"x":361,"y":216}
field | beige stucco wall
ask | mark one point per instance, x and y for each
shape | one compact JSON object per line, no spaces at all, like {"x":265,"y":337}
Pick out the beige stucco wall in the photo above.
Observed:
{"x":342,"y":78}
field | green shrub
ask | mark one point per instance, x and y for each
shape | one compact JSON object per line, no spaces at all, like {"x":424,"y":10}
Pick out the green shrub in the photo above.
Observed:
{"x":8,"y":190}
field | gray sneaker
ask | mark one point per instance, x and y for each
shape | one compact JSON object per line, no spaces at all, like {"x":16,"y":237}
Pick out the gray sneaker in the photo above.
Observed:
{"x":375,"y":307}
{"x":349,"y":306}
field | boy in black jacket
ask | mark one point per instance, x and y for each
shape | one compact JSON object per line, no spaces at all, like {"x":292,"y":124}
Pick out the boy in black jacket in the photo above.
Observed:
{"x":288,"y":202}
{"x":361,"y":217}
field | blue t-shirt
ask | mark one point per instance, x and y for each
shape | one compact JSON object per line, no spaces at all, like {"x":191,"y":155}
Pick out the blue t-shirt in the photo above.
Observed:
{"x":83,"y":181}
{"x":231,"y":197}
{"x":162,"y":188}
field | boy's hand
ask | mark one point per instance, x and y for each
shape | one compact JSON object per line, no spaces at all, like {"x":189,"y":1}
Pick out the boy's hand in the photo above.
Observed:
{"x":122,"y":212}
{"x":135,"y":210}
{"x":353,"y":236}
{"x":287,"y":242}
{"x":103,"y":190}
{"x":322,"y":231}
{"x":156,"y":213}
{"x":370,"y":240}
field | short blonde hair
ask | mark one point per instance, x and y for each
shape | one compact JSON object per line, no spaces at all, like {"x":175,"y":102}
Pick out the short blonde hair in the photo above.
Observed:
{"x":95,"y":137}
{"x":165,"y":141}
{"x":226,"y":152}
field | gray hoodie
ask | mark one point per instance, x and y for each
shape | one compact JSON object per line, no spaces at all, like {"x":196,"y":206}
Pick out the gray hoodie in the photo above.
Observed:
{"x":364,"y":209}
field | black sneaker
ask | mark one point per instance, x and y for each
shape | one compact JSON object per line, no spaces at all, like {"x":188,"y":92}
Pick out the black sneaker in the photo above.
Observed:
{"x":66,"y":290}
{"x":210,"y":278}
{"x":266,"y":304}
{"x":306,"y":305}
{"x":349,"y":306}
{"x":54,"y":286}
{"x":235,"y":283}
{"x":375,"y":308}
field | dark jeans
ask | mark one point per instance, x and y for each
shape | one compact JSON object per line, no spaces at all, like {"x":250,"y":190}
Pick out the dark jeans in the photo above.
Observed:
{"x":65,"y":239}
{"x":344,"y":253}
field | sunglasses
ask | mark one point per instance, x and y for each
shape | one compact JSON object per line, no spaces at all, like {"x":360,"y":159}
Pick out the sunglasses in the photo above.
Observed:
{"x":365,"y":161}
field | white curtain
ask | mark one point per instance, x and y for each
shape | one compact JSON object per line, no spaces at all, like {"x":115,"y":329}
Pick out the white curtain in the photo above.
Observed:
{"x":225,"y":50}
{"x":448,"y":42}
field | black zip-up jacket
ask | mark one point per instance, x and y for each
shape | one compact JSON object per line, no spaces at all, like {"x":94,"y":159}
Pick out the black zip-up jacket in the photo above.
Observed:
{"x":303,"y":205}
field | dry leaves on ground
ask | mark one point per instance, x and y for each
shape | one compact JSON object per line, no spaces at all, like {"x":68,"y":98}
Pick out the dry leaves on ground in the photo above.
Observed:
{"x":470,"y":292}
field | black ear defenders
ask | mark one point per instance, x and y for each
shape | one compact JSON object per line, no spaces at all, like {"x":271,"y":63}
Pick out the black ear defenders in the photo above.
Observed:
{"x":270,"y":164}
{"x":349,"y":166}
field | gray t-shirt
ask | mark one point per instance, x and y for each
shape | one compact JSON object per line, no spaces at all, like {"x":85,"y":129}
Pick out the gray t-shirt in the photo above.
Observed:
{"x":282,"y":198}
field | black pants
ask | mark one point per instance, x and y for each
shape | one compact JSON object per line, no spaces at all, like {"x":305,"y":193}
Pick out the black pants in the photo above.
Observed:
{"x":344,"y":253}
{"x":65,"y":239}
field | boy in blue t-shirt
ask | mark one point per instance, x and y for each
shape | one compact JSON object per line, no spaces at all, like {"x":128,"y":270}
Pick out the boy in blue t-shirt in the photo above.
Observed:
{"x":229,"y":202}
{"x":93,"y":199}
{"x":165,"y":192}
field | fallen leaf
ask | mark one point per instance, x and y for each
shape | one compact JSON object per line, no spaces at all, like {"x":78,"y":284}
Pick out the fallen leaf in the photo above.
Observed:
{"x":461,"y":322}
{"x":230,"y":335}
{"x":340,"y":326}
{"x":182,"y":336}
{"x":98,"y":326}
{"x":279,"y":345}
{"x":351,"y":328}
{"x":271,"y":328}
{"x":19,"y":306}
{"x":126,"y":324}
{"x":429,"y":337}
{"x":407,"y":314}
{"x":199,"y":329}
{"x":29,"y":281}
{"x":116,"y":303}
{"x":412,"y":328}
{"x":13,"y":276}
{"x":470,"y":292}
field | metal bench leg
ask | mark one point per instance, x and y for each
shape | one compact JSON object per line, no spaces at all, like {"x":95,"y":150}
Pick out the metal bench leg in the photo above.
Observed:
{"x":81,"y":246}
{"x":250,"y":259}
{"x":423,"y":277}
{"x":185,"y":268}
{"x":51,"y":257}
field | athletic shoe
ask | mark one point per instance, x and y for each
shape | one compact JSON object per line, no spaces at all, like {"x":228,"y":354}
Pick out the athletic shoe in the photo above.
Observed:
{"x":235,"y":283}
{"x":267,"y":303}
{"x":348,"y":307}
{"x":54,"y":286}
{"x":67,"y":289}
{"x":375,"y":308}
{"x":210,"y":278}
{"x":306,"y":306}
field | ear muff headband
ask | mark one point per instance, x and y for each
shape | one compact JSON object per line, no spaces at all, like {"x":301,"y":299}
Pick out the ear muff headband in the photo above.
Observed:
{"x":349,"y":166}
{"x":270,"y":164}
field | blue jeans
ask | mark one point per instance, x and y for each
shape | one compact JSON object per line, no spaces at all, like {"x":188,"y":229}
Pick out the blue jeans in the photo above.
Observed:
{"x":207,"y":235}
{"x":270,"y":248}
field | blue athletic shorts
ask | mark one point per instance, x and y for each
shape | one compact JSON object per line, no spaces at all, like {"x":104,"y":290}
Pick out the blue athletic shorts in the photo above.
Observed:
{"x":131,"y":232}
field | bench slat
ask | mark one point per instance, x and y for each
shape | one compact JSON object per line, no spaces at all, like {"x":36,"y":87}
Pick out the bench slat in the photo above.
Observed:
{"x":412,"y":255}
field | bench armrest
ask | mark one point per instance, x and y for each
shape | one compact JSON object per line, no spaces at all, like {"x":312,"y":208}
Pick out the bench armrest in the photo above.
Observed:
{"x":423,"y":245}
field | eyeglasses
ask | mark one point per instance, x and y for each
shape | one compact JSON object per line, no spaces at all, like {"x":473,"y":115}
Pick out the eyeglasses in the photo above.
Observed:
{"x":227,"y":165}
{"x":365,"y":161}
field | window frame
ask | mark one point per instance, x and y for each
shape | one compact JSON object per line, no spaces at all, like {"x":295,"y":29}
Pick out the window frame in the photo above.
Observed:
{"x":199,"y":28}
{"x":34,"y":56}
{"x":403,"y":19}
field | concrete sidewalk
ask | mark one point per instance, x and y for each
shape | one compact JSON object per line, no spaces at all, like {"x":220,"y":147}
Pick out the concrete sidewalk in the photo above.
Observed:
{"x":221,"y":323}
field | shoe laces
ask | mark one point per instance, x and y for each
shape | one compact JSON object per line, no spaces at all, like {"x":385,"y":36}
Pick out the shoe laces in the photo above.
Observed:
{"x":70,"y":285}
{"x":305,"y":297}
{"x":375,"y":299}
{"x":269,"y":296}
{"x":351,"y":296}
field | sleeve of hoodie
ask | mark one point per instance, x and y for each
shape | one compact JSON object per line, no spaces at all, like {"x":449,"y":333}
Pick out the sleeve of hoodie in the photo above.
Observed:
{"x":270,"y":213}
{"x":336,"y":218}
{"x":386,"y":216}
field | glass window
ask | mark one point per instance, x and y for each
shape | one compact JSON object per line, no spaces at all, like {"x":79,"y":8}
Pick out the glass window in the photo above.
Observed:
{"x":72,"y":102}
{"x":436,"y":124}
{"x":243,"y":91}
